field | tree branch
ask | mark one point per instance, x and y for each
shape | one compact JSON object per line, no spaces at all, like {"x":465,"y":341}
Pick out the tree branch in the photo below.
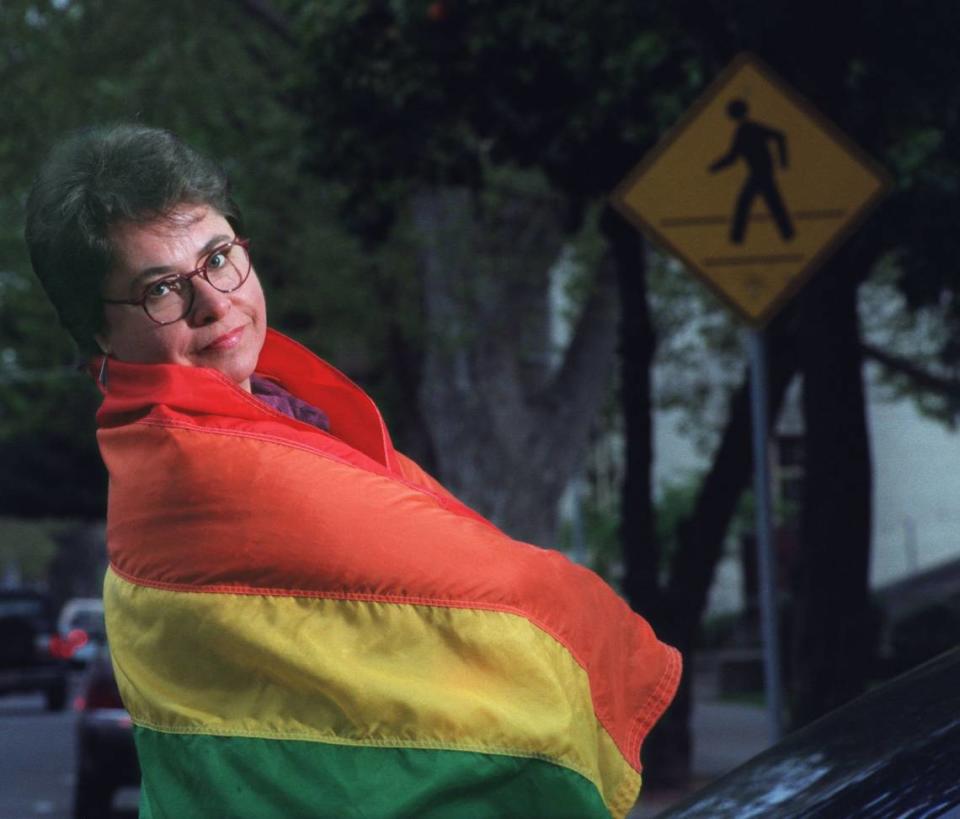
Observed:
{"x":594,"y":337}
{"x":920,"y":378}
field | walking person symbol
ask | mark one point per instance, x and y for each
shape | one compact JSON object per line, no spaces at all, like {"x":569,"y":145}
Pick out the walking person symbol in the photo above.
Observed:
{"x":750,"y":144}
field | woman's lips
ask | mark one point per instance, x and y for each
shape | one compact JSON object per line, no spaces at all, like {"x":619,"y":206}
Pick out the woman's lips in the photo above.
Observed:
{"x":225,"y":342}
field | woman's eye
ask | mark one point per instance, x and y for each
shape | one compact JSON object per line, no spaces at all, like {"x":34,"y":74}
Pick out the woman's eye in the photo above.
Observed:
{"x":216,"y":260}
{"x":162,"y":288}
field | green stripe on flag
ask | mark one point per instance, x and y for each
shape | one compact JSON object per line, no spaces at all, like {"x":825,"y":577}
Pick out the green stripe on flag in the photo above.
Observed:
{"x":198,"y":775}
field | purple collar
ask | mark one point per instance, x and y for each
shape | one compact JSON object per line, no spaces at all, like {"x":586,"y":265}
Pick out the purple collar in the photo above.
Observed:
{"x":272,"y":394}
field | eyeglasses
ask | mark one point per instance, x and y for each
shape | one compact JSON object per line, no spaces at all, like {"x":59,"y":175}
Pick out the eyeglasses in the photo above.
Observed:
{"x":170,"y":299}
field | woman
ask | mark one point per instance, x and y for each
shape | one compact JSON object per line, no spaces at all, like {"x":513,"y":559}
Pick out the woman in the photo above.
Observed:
{"x":302,"y":622}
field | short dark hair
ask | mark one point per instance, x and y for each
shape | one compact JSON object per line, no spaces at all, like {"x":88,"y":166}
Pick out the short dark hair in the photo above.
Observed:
{"x":93,"y":180}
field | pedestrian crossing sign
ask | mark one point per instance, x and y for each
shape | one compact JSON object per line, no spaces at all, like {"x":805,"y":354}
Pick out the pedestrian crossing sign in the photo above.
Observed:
{"x":752,"y":189}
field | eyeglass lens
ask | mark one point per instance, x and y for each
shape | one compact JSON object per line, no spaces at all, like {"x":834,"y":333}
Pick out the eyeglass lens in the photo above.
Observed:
{"x":170,"y":299}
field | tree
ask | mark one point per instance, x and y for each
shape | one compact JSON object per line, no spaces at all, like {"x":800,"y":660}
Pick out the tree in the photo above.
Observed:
{"x":385,"y":93}
{"x":871,"y":73}
{"x":509,"y":427}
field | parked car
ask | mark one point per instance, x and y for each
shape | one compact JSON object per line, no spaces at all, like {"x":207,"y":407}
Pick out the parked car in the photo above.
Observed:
{"x":894,"y":752}
{"x":31,"y":654}
{"x":81,"y":626}
{"x":106,"y":756}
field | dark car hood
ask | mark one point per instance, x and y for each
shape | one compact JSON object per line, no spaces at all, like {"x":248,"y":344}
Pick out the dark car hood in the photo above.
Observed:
{"x":891,"y":752}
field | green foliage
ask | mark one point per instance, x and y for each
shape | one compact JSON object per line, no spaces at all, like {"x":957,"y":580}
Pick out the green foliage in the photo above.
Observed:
{"x":215,"y":76}
{"x":673,"y":506}
{"x":700,"y":354}
{"x":599,"y":531}
{"x":426,"y":93}
{"x":28,"y":546}
{"x":374,"y":99}
{"x":718,"y":630}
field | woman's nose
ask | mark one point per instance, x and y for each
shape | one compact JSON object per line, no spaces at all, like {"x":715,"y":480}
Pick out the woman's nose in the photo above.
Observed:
{"x":209,"y":304}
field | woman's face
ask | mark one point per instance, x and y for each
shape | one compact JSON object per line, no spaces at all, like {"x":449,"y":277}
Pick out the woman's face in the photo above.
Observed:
{"x":224,"y":331}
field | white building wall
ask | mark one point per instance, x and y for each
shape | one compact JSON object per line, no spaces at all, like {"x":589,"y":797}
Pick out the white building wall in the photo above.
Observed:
{"x":916,"y":489}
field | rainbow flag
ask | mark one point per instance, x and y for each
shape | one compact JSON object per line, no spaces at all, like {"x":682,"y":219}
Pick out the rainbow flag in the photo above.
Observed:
{"x":306,"y":624}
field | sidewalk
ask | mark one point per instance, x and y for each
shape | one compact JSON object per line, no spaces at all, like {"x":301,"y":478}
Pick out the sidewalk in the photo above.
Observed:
{"x":724,"y":736}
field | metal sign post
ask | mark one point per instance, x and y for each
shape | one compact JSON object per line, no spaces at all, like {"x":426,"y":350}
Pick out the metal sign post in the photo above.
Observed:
{"x":766,"y":556}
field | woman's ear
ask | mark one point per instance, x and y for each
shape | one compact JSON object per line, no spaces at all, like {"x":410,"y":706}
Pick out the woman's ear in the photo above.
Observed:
{"x":102,"y":343}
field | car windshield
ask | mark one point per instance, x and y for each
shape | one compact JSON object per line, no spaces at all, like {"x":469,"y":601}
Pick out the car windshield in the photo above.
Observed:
{"x":90,"y":621}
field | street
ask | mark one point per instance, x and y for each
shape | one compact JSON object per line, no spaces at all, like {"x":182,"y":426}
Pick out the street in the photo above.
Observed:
{"x":36,"y":758}
{"x":37,"y":761}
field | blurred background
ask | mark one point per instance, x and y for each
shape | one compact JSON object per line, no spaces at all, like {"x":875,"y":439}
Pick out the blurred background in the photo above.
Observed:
{"x":426,"y":186}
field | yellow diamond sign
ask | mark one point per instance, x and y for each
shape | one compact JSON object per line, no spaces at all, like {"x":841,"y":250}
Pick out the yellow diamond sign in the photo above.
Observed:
{"x":752,"y":189}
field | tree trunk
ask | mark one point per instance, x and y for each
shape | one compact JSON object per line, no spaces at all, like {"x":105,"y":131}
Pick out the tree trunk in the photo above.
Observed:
{"x":834,"y":632}
{"x":509,"y":427}
{"x":641,"y":552}
{"x":701,"y":539}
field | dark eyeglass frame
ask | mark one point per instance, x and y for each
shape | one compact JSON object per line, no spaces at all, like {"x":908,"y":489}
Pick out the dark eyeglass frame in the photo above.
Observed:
{"x":201,"y":270}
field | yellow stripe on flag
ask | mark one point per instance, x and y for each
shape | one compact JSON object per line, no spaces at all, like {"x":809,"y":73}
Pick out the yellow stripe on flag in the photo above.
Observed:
{"x":358,"y":673}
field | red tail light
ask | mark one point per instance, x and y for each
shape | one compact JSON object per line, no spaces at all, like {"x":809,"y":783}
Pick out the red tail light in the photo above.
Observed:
{"x":63,"y":648}
{"x":78,"y":638}
{"x":59,"y":648}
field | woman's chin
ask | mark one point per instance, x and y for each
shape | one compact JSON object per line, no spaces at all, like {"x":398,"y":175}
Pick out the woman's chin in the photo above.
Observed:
{"x":238,"y":375}
{"x":235,"y":364}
